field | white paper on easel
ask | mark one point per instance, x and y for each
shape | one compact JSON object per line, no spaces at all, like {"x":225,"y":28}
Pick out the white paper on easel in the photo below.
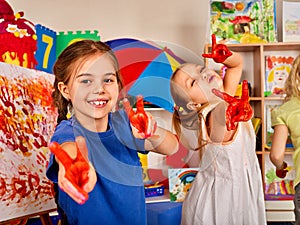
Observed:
{"x":27,"y":121}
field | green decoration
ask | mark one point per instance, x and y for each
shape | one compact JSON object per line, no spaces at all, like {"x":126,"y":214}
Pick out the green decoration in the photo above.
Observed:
{"x":63,"y":39}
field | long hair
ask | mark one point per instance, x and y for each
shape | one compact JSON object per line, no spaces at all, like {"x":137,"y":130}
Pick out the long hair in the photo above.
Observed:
{"x":182,"y":116}
{"x":69,"y":61}
{"x":292,"y":84}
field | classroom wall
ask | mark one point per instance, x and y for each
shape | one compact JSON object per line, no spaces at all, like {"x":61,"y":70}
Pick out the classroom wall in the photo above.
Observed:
{"x":179,"y":23}
{"x":183,"y":25}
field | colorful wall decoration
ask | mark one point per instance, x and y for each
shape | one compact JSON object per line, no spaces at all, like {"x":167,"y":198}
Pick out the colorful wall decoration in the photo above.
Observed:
{"x":17,"y":38}
{"x":46,"y":48}
{"x":248,"y":21}
{"x":27,"y":121}
{"x":63,"y":39}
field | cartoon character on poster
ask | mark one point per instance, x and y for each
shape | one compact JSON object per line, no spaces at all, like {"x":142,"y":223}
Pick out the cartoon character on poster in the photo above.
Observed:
{"x":277,"y":71}
{"x":277,"y":78}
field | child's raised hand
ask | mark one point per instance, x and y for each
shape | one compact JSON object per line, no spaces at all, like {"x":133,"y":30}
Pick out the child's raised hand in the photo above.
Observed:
{"x":76,"y":177}
{"x":219,"y":52}
{"x":142,"y":123}
{"x":238,"y":110}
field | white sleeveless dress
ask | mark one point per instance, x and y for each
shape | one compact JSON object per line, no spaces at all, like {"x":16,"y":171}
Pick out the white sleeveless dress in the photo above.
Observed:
{"x":228,"y":188}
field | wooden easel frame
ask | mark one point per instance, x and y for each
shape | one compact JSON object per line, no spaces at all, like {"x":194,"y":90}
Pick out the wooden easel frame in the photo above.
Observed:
{"x":44,"y":217}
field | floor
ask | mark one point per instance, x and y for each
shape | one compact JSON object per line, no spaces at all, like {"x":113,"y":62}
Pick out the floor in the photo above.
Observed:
{"x":37,"y":221}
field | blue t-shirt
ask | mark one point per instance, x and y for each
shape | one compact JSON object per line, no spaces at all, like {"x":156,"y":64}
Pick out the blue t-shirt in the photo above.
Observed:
{"x":118,"y":197}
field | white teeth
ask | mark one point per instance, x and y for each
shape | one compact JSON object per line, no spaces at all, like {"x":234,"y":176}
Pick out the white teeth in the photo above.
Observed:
{"x":98,"y":102}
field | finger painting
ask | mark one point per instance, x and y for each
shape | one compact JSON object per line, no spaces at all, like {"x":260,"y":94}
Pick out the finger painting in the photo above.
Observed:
{"x":27,"y":121}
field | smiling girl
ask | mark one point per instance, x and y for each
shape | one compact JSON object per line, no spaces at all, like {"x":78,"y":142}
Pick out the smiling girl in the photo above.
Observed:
{"x":87,"y":85}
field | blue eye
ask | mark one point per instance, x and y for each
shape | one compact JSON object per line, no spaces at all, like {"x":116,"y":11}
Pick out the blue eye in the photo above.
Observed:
{"x":85,"y":81}
{"x":108,"y":81}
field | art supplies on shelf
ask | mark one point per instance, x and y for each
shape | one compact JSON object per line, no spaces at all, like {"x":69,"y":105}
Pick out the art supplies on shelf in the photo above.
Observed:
{"x":248,"y":21}
{"x":152,"y":190}
{"x":256,"y":122}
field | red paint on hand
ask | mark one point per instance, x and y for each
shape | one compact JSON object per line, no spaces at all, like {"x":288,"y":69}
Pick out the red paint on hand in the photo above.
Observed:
{"x":76,"y":169}
{"x":281,"y":173}
{"x":138,"y":119}
{"x":238,"y":110}
{"x":219,"y":52}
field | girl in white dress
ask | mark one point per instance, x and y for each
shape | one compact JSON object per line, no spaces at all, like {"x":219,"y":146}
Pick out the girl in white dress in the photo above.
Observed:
{"x":228,"y":187}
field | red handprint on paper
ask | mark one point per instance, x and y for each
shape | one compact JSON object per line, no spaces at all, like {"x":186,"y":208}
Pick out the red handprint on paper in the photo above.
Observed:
{"x":238,"y":110}
{"x":76,"y":169}
{"x":219,"y":52}
{"x":142,"y":121}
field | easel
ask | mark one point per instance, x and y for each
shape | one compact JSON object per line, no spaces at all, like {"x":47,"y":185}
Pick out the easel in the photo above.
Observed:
{"x":44,"y":217}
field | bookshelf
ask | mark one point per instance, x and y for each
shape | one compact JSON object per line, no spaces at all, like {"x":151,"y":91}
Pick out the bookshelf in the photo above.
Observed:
{"x":254,"y":71}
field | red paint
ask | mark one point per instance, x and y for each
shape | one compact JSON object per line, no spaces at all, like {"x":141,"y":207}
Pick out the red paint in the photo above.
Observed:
{"x":238,"y":110}
{"x":219,"y":52}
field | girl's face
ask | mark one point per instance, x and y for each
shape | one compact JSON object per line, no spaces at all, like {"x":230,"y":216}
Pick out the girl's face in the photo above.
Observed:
{"x":93,"y":89}
{"x":197,"y":82}
{"x":280,"y":76}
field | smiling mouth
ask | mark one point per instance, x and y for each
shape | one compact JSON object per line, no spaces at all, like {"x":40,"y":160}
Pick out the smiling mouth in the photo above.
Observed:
{"x":98,"y":102}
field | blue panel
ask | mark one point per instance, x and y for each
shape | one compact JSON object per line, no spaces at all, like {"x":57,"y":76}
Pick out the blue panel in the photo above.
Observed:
{"x":46,"y":48}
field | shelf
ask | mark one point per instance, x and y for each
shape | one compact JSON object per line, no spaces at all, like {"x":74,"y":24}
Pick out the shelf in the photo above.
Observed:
{"x":282,"y":46}
{"x":162,"y":198}
{"x":278,"y":46}
{"x":255,"y":98}
{"x":241,"y":47}
{"x":259,"y":153}
{"x":271,"y":98}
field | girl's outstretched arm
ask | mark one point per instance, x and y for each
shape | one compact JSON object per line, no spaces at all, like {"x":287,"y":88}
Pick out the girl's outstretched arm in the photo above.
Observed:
{"x":234,"y":65}
{"x":144,"y":126}
{"x":163,"y":142}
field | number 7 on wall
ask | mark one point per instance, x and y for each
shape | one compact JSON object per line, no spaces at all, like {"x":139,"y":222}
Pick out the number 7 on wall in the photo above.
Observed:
{"x":46,"y":48}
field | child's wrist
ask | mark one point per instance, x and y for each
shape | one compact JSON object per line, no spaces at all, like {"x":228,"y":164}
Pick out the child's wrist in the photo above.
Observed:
{"x":282,"y":166}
